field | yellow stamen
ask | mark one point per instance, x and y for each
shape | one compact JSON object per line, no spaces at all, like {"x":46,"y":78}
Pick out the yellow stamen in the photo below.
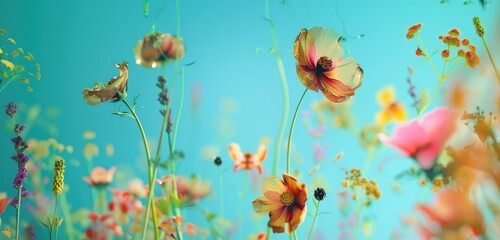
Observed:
{"x":286,"y":198}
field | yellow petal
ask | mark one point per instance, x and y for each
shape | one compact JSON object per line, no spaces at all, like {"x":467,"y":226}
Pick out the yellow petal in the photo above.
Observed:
{"x":11,"y":40}
{"x":8,"y":64}
{"x":386,"y":95}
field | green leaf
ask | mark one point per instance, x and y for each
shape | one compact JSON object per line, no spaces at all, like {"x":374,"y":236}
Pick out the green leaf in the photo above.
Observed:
{"x":19,"y":68}
{"x":7,"y":63}
{"x":211,"y":216}
{"x":43,"y":223}
{"x":163,"y":206}
{"x":58,"y":221}
{"x":121,"y":114}
{"x":2,"y":31}
{"x":27,"y":58}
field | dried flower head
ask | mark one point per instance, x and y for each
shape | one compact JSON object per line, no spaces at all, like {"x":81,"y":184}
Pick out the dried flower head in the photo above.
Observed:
{"x":217,"y":161}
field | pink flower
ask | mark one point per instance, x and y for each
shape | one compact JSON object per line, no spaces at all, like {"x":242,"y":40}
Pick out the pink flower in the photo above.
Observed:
{"x":247,"y":161}
{"x":424,"y":139}
{"x":321,"y":66}
{"x":190,"y":190}
{"x":100,"y":177}
{"x":122,"y":203}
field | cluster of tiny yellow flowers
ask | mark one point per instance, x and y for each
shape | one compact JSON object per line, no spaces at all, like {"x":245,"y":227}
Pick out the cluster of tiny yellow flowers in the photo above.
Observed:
{"x":58,"y":181}
{"x":369,"y":188}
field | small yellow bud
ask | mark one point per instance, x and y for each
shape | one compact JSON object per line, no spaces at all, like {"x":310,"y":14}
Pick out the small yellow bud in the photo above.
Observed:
{"x":479,"y":26}
{"x":58,"y":181}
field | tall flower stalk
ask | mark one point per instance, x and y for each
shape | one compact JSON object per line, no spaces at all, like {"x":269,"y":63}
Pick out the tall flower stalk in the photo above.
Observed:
{"x":20,"y":146}
{"x":284,"y":88}
{"x":480,"y":33}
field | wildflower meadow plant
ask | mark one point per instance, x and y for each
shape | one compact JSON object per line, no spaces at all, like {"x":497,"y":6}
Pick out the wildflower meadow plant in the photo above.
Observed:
{"x":245,"y":189}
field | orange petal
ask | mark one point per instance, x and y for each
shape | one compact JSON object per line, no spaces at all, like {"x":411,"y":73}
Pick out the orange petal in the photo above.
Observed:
{"x":277,"y":220}
{"x":235,"y":152}
{"x":298,"y":216}
{"x":307,"y":77}
{"x":261,"y":153}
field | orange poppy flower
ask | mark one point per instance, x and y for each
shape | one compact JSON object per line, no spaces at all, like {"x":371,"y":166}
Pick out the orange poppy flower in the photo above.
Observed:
{"x":321,"y":66}
{"x":114,"y":91}
{"x":284,"y":202}
{"x":247,"y":161}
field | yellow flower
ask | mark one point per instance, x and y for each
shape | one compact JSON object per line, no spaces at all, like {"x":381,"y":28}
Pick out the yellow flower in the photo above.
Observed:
{"x":284,"y":201}
{"x":392,"y":110}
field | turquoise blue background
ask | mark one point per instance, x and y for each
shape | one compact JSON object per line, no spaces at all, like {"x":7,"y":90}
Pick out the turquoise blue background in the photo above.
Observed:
{"x":77,"y":43}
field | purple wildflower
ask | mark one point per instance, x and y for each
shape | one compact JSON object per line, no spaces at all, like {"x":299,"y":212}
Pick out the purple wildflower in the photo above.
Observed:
{"x":30,"y":232}
{"x":411,"y":89}
{"x":24,"y":194}
{"x":18,"y":128}
{"x":163,"y":95}
{"x":10,"y":110}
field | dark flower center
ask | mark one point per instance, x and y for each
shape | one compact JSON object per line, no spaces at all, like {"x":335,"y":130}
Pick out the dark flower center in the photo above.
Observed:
{"x":286,"y":198}
{"x":324,"y":64}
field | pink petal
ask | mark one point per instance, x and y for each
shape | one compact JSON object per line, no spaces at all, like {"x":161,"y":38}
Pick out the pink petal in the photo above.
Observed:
{"x":235,"y":152}
{"x":407,"y":138}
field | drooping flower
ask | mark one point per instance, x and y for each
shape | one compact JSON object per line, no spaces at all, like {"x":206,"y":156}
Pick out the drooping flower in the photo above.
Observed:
{"x":100,"y":177}
{"x":247,"y":161}
{"x":452,"y":214}
{"x":321,"y":66}
{"x":424,"y":139}
{"x":284,"y":201}
{"x":115,"y":90}
{"x":157,"y":48}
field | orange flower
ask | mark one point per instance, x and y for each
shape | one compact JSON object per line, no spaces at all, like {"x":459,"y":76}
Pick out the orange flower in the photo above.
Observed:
{"x":157,"y":48}
{"x":451,"y":212}
{"x":4,"y":201}
{"x":284,"y":202}
{"x":247,"y":161}
{"x":100,"y":177}
{"x":419,"y":52}
{"x":114,"y":91}
{"x":412,"y":30}
{"x":471,"y":59}
{"x":321,"y":66}
{"x":103,"y":226}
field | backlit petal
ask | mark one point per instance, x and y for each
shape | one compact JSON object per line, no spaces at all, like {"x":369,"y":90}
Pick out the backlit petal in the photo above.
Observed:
{"x":348,"y":72}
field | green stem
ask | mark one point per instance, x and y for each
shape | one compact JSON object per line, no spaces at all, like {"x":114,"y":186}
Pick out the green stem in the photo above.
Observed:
{"x":53,"y":221}
{"x":179,"y":108}
{"x":294,"y":235}
{"x":67,"y":216}
{"x":284,"y":88}
{"x":314,"y":220}
{"x":426,"y":55}
{"x":221,"y":192}
{"x":6,"y":84}
{"x":175,"y":197}
{"x":18,"y":210}
{"x":102,"y":201}
{"x":291,"y":132}
{"x":151,"y":181}
{"x":491,"y":60}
